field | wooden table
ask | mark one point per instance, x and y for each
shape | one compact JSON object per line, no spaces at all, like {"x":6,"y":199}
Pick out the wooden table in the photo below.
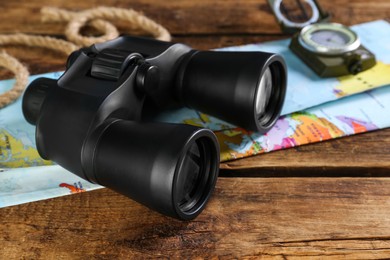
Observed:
{"x":322,"y":200}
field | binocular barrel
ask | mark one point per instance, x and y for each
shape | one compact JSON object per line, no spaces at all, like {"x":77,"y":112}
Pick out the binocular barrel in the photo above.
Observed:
{"x":170,"y":168}
{"x":89,"y":121}
{"x":243,"y":88}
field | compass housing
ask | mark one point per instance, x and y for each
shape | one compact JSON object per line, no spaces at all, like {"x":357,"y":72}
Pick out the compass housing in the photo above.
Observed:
{"x":329,"y":38}
{"x":331,"y":50}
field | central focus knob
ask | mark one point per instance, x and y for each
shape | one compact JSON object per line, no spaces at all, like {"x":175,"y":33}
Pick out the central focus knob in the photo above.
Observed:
{"x":111,"y":63}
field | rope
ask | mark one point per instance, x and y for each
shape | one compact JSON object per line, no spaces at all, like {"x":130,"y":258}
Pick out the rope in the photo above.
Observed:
{"x":38,"y":41}
{"x":19,"y":70}
{"x":95,"y":17}
{"x":52,"y":14}
{"x":78,"y":20}
{"x":21,"y":76}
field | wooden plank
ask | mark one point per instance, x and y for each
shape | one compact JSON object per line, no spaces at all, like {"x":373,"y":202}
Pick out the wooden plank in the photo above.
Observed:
{"x":180,"y":17}
{"x":247,"y":217}
{"x":365,"y":154}
{"x":189,"y":17}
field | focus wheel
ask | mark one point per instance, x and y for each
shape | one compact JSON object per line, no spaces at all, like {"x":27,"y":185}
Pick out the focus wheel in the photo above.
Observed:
{"x":110,"y":64}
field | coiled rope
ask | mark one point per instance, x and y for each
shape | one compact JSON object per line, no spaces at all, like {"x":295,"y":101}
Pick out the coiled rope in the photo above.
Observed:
{"x":100,"y":18}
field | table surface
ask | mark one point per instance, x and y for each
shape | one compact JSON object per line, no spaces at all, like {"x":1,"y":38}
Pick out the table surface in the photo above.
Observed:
{"x":330,"y":199}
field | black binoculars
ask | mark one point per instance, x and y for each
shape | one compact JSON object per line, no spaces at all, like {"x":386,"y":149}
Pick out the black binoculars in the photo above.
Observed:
{"x":90,"y":120}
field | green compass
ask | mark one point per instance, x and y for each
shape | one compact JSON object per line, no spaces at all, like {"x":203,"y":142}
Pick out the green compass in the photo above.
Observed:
{"x":329,"y":49}
{"x":328,"y":38}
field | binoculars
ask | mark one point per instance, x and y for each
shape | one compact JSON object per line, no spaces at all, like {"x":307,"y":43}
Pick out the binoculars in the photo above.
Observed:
{"x":90,"y":121}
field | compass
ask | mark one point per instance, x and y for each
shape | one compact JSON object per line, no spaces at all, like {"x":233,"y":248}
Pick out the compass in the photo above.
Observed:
{"x":331,"y":50}
{"x":328,"y":38}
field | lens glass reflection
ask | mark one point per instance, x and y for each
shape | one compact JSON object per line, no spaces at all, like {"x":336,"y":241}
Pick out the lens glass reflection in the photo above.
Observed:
{"x":264,"y":92}
{"x":190,"y":178}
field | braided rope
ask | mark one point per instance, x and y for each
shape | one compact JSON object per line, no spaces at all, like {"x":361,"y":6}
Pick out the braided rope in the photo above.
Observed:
{"x":53,"y":14}
{"x":20,"y":71}
{"x":38,"y":41}
{"x":21,"y":76}
{"x":76,"y":20}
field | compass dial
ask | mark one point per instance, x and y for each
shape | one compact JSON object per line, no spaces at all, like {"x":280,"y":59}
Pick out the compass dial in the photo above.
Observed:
{"x":328,"y":38}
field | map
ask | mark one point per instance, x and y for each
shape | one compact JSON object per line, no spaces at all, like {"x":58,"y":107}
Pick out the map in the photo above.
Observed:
{"x":25,"y":177}
{"x":356,"y":114}
{"x":14,"y":153}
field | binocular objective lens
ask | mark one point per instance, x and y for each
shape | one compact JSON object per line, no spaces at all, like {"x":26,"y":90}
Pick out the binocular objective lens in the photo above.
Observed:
{"x":264,"y":91}
{"x":190,"y":177}
{"x":194,"y":181}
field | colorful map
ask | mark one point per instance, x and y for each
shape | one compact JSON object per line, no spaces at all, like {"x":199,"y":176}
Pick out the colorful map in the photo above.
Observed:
{"x":15,"y":153}
{"x":360,"y":113}
{"x":376,"y":76}
{"x":25,"y":177}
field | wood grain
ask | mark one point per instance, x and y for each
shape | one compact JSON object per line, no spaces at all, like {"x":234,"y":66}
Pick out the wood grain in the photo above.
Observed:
{"x":308,"y":206}
{"x":286,"y":218}
{"x":189,"y":17}
{"x":365,"y":154}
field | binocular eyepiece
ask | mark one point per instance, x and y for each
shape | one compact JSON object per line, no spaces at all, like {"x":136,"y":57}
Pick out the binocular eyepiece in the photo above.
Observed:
{"x":89,"y":121}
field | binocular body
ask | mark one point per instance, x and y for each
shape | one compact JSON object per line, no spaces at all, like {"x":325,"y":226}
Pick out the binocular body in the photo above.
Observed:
{"x":89,"y":121}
